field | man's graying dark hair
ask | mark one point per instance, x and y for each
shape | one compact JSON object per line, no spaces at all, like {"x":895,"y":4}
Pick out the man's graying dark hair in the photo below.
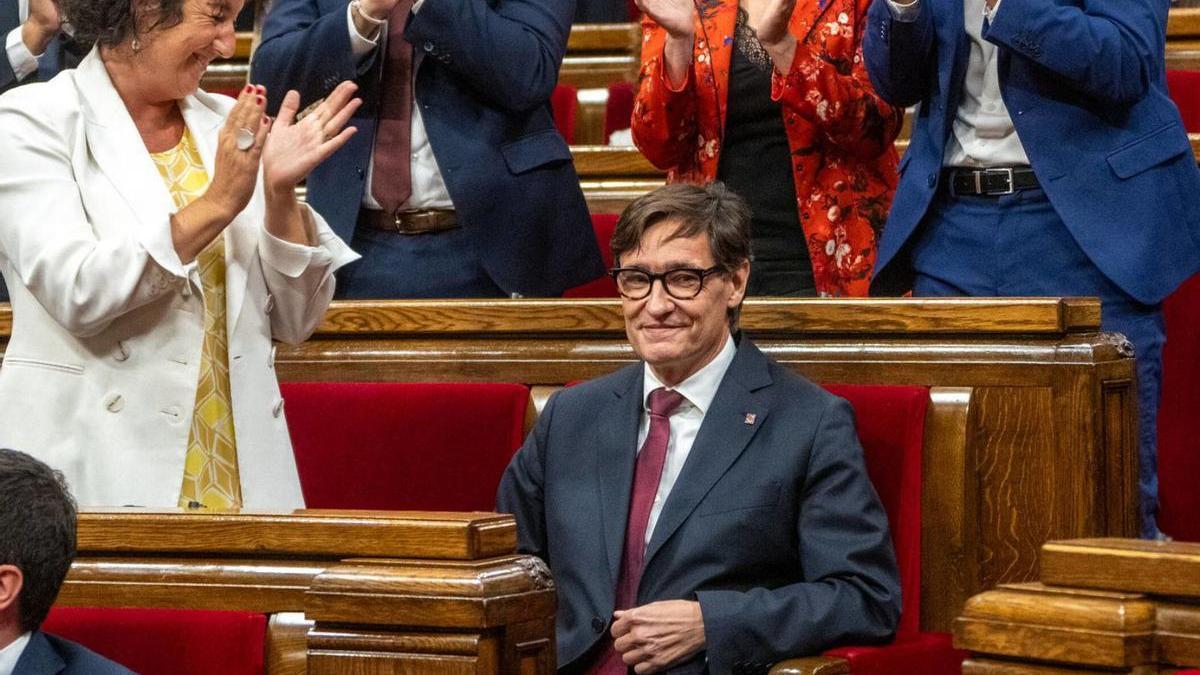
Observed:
{"x":37,"y":531}
{"x":712,"y":210}
{"x":113,"y":22}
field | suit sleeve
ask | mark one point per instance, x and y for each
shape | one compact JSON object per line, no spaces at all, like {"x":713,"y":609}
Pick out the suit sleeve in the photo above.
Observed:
{"x":84,"y":282}
{"x":838,"y":98}
{"x":1106,"y":50}
{"x":300,"y":278}
{"x":509,"y":52}
{"x":522,"y":492}
{"x":900,"y":54}
{"x":851,"y":592}
{"x":304,"y":50}
{"x":664,"y":121}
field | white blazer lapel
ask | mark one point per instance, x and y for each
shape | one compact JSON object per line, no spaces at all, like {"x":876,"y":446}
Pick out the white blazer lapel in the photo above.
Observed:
{"x":119,"y":151}
{"x":241,"y":237}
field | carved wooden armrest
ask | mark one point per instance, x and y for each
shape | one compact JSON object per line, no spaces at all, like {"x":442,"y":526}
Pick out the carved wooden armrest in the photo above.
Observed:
{"x":812,"y":665}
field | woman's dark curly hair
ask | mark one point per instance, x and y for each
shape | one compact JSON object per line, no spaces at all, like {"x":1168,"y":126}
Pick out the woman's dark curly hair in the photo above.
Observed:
{"x":112,"y":22}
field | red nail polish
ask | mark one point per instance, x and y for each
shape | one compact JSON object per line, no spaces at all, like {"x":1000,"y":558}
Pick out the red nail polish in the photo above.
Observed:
{"x":261,"y":100}
{"x":262,"y":89}
{"x":249,"y":88}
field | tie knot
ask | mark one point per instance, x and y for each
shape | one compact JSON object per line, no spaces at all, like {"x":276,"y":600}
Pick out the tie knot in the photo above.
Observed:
{"x":664,"y":402}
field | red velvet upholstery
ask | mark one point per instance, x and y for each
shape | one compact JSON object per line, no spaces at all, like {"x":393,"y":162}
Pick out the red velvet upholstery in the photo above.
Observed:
{"x":1184,"y":87}
{"x":167,"y":641}
{"x":564,"y":103}
{"x":603,"y":225}
{"x":618,"y":109}
{"x":891,"y":428}
{"x":1178,"y":422}
{"x":404,"y":446}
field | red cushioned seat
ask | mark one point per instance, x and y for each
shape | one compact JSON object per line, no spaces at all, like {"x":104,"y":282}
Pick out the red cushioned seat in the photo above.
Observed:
{"x":603,"y":225}
{"x":564,"y":103}
{"x":618,"y":108}
{"x":404,"y":446}
{"x":891,"y":428}
{"x":1184,"y":88}
{"x":167,"y":641}
{"x":1178,"y":423}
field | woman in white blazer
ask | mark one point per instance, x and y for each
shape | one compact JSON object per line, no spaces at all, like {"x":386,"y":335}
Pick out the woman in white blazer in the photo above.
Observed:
{"x":101,"y":374}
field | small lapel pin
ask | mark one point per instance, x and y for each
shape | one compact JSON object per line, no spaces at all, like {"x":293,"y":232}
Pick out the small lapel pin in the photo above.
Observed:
{"x":750,"y":417}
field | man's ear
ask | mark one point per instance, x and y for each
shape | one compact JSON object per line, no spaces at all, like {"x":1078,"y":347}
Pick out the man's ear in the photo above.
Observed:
{"x":11,"y":581}
{"x":738,"y":279}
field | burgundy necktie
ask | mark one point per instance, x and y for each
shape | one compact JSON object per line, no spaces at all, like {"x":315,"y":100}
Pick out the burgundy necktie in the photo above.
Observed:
{"x":646,"y":476}
{"x":391,"y":180}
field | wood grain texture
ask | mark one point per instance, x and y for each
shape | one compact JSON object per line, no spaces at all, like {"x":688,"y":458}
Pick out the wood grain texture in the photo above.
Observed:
{"x":1033,"y":622}
{"x":1156,"y":567}
{"x":949,"y":517}
{"x":287,"y":644}
{"x":1178,"y":633}
{"x":942,"y":316}
{"x":604,"y":37}
{"x":989,"y":667}
{"x":311,"y":533}
{"x":812,"y":665}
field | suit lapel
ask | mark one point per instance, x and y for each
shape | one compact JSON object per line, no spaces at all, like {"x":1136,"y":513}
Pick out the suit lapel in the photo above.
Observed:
{"x":723,"y":437}
{"x":616,"y":452}
{"x":39,"y":657}
{"x":120,"y":153}
{"x":241,"y":237}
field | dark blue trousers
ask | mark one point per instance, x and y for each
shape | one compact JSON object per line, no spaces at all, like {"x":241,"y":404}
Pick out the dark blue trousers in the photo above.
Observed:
{"x":1016,"y":245}
{"x":434,"y":265}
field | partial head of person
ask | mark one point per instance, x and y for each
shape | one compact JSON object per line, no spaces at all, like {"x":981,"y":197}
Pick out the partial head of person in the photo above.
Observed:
{"x":37,"y":541}
{"x":168,"y":44}
{"x":682,"y":256}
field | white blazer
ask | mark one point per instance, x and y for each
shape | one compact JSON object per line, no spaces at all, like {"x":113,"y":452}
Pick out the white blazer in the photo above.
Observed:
{"x":100,"y":375}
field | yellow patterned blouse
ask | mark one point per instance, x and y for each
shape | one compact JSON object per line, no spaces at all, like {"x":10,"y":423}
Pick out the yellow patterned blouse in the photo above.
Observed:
{"x":210,"y":472}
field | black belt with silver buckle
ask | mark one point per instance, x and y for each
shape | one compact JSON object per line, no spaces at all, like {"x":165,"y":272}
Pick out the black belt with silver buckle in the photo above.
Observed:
{"x":993,"y":182}
{"x":409,"y":222}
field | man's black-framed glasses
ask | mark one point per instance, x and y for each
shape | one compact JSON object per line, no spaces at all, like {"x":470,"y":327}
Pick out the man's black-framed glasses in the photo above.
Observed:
{"x":681,"y":283}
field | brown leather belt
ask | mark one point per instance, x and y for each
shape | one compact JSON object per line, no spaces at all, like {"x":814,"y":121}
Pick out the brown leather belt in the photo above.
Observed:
{"x":409,"y":222}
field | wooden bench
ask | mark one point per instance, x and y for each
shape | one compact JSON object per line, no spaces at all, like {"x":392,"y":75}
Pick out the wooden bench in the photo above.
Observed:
{"x":1045,"y":400}
{"x":1107,"y":606}
{"x":345,"y":592}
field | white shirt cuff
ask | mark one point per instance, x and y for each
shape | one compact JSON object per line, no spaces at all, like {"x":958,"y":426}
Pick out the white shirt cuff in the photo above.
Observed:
{"x":291,"y":259}
{"x":360,"y":45}
{"x":417,"y":6}
{"x":904,"y":12}
{"x":23,"y":62}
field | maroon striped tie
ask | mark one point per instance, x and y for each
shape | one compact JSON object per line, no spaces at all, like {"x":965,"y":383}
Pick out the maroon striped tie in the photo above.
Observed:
{"x":391,"y":180}
{"x":646,"y":476}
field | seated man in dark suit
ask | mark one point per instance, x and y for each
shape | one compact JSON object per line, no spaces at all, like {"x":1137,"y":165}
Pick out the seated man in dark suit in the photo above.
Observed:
{"x":37,"y":544}
{"x":707,"y":509}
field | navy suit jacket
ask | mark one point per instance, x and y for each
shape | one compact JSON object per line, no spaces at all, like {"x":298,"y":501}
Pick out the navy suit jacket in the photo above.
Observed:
{"x":773,"y":526}
{"x":484,"y":89}
{"x":60,"y":53}
{"x":50,"y":655}
{"x":1084,"y":81}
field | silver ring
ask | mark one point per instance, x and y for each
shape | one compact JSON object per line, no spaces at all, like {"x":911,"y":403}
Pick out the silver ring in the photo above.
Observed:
{"x":245,"y":139}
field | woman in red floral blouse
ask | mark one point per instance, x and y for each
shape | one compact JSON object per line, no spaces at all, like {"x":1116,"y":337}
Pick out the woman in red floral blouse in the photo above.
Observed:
{"x":772,"y":97}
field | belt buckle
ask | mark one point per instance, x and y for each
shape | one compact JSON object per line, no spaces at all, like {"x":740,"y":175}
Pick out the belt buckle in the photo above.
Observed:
{"x":1008,"y":173}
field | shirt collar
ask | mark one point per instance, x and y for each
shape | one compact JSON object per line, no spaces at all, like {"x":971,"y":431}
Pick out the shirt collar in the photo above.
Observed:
{"x":10,"y":655}
{"x":701,"y":388}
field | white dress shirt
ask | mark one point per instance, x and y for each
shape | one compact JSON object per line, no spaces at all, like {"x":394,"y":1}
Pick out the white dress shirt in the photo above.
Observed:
{"x":698,"y":393}
{"x":23,"y":62}
{"x":983,"y":130}
{"x":12,"y":653}
{"x":428,"y":187}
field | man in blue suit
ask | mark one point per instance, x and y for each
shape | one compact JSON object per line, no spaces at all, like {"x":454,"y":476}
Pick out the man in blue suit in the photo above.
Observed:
{"x":37,"y":544}
{"x":1046,"y":159}
{"x":34,"y":49}
{"x":706,"y":509}
{"x":457,"y":183}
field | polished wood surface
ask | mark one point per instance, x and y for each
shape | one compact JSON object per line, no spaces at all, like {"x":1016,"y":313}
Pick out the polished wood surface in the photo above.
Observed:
{"x":1031,"y":437}
{"x":812,"y":665}
{"x":1102,"y":605}
{"x":345,"y":591}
